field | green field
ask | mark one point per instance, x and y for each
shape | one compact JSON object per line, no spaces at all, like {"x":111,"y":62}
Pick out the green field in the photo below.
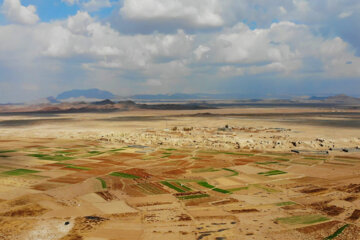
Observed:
{"x":221,"y":190}
{"x":266,"y":163}
{"x":202,"y":170}
{"x":304,"y":220}
{"x":7,"y":151}
{"x":103,"y":183}
{"x":65,"y":152}
{"x":166,"y":154}
{"x":172,"y":186}
{"x":207,"y":185}
{"x":95,"y":152}
{"x":337,"y":233}
{"x":282,"y":159}
{"x":77,"y":167}
{"x":19,"y":172}
{"x":272,"y":173}
{"x":281,"y":204}
{"x":51,"y":157}
{"x":117,"y":150}
{"x":123,"y":175}
{"x":193,"y":196}
{"x":234,"y":173}
{"x":316,"y":159}
{"x":239,"y":154}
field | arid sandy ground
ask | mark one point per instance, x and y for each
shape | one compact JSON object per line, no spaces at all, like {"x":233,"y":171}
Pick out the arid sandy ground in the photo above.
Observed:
{"x":250,"y":173}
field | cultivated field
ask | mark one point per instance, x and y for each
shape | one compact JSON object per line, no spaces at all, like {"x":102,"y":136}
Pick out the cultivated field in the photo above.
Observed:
{"x":214,"y":174}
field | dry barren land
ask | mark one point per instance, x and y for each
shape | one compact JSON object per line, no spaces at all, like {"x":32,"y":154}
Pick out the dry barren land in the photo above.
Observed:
{"x":236,"y":173}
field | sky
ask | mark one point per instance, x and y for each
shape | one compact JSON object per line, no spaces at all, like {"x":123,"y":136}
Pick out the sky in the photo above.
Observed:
{"x":256,"y":48}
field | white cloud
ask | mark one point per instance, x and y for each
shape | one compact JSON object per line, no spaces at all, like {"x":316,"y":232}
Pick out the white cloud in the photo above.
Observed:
{"x":89,"y":5}
{"x":17,"y":13}
{"x":345,"y":14}
{"x":82,"y":47}
{"x":242,"y":45}
{"x":201,"y":13}
{"x":302,"y":5}
{"x":81,"y":35}
{"x":281,"y":49}
{"x":70,"y":2}
{"x":282,"y":10}
{"x":95,"y":5}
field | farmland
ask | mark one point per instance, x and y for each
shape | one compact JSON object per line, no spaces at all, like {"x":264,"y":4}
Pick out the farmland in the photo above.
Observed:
{"x":93,"y":188}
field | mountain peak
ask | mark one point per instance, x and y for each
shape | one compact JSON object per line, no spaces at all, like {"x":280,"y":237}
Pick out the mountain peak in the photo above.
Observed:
{"x":93,"y":93}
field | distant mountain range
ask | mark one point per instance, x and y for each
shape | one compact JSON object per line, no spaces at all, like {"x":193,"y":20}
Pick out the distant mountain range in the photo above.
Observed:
{"x":95,"y":100}
{"x":342,"y":98}
{"x":93,"y":95}
{"x":185,"y":96}
{"x":337,"y":99}
{"x":87,"y":93}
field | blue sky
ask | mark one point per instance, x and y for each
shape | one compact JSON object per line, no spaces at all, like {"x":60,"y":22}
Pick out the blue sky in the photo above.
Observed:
{"x":257,"y":48}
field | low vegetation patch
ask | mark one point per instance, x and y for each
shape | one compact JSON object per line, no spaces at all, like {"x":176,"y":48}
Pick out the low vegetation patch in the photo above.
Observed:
{"x":65,"y":152}
{"x":316,"y":159}
{"x":51,"y":157}
{"x":124,"y":175}
{"x":166,"y":154}
{"x":282,"y":204}
{"x":19,"y":172}
{"x":305,"y":220}
{"x":282,"y":159}
{"x":221,"y":190}
{"x":337,"y":233}
{"x":240,"y":154}
{"x":269,"y":190}
{"x":94,"y":152}
{"x":272,"y":173}
{"x":7,"y":151}
{"x":238,"y":189}
{"x":207,"y":185}
{"x":172,"y":186}
{"x":202,"y":170}
{"x":117,"y":150}
{"x":193,"y":196}
{"x":77,"y":167}
{"x":103,"y":183}
{"x":266,"y":163}
{"x":234,"y":173}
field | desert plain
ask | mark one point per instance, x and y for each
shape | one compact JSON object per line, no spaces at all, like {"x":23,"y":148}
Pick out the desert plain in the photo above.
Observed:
{"x":231,"y":173}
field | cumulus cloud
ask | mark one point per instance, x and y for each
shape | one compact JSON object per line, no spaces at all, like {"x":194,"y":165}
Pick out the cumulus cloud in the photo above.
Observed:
{"x":83,"y":50}
{"x":70,"y":2}
{"x":284,"y":48}
{"x":82,"y":35}
{"x":345,"y":14}
{"x":89,"y":5}
{"x":201,"y":13}
{"x":95,"y":5}
{"x":17,"y":13}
